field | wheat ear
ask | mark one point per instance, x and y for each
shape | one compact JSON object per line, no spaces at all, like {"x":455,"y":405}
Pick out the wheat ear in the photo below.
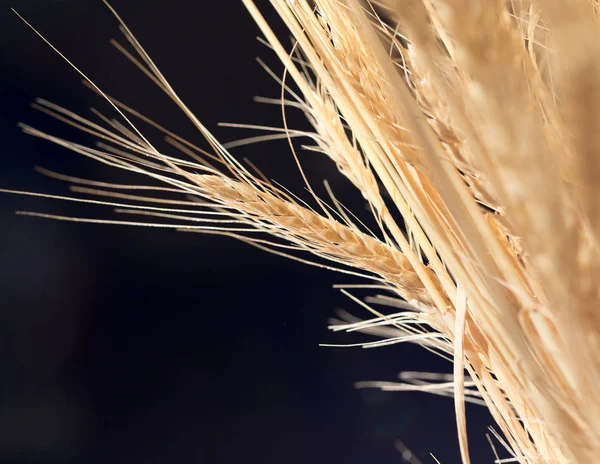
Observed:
{"x":457,"y":116}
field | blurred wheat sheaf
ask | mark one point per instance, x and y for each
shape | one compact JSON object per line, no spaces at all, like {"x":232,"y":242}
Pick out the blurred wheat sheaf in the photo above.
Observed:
{"x":470,"y":129}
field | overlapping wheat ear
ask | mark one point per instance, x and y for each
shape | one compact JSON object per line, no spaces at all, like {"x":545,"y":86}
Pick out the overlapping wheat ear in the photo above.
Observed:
{"x":476,"y":122}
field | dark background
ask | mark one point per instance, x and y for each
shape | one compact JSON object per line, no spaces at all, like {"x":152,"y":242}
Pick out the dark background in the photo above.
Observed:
{"x":134,"y":345}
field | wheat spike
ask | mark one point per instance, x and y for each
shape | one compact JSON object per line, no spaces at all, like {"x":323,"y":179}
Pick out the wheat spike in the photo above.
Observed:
{"x":322,"y":236}
{"x":476,"y":122}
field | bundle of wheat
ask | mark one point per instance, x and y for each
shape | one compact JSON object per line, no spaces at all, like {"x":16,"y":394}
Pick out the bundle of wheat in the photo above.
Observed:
{"x":474,"y":122}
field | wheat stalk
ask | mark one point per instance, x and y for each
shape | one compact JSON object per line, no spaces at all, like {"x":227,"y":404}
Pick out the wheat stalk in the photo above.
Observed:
{"x":476,"y":123}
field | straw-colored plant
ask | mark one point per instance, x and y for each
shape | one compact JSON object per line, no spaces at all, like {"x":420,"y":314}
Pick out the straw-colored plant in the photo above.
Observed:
{"x":476,"y":121}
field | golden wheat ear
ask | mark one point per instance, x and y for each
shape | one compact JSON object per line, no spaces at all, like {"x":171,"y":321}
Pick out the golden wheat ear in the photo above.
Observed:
{"x":474,"y":124}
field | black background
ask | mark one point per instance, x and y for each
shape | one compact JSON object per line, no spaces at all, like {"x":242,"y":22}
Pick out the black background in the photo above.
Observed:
{"x":135,"y":345}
